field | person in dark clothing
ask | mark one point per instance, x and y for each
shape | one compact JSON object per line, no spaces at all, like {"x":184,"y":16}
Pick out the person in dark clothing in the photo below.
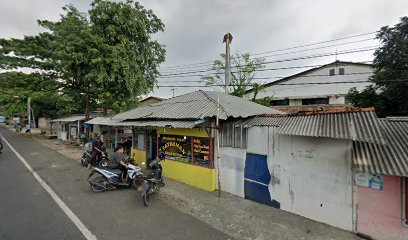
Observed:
{"x":97,"y":145}
{"x":118,"y":158}
{"x":127,"y":145}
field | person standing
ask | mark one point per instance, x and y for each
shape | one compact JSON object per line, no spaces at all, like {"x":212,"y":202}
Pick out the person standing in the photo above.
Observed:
{"x":97,"y":145}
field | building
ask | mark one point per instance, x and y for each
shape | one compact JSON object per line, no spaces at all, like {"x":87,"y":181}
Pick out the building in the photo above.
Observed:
{"x":183,"y":128}
{"x":110,"y":133}
{"x":381,"y":182}
{"x":69,"y":127}
{"x":44,"y":123}
{"x":300,"y":164}
{"x":149,"y":100}
{"x":324,"y":85}
{"x":347,"y":169}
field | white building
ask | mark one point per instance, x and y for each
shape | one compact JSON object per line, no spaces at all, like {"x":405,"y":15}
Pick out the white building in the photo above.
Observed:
{"x":300,"y":164}
{"x":327,"y":84}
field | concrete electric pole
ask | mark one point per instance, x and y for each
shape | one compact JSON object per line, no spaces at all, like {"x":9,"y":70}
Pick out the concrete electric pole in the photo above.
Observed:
{"x":29,"y":111}
{"x":227,"y":40}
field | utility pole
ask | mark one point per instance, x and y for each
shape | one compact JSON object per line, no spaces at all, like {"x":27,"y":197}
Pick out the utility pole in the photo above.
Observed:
{"x":227,"y":40}
{"x":29,"y":111}
{"x":217,"y":127}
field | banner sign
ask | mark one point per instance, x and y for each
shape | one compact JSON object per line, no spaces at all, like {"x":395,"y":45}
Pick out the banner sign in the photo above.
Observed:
{"x":201,"y":148}
{"x":175,"y":147}
{"x":369,"y":180}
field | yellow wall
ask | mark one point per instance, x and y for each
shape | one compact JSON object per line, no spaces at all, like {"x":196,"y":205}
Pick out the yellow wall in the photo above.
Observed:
{"x":196,"y":176}
{"x":139,"y":155}
{"x":195,"y":132}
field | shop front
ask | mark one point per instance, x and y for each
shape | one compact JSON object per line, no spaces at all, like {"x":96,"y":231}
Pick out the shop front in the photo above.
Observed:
{"x":144,"y":147}
{"x":189,"y":154}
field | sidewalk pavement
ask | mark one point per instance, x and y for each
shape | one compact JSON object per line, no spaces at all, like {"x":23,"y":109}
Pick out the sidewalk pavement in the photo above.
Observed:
{"x":235,"y":216}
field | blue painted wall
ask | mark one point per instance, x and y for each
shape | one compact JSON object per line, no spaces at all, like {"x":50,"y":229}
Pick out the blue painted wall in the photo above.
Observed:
{"x":256,"y":180}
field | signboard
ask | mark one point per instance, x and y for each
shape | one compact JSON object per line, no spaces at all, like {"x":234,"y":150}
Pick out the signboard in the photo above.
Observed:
{"x":201,"y":150}
{"x":175,"y":147}
{"x":370,"y":180}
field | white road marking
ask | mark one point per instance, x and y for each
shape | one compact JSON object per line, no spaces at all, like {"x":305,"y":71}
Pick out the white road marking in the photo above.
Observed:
{"x":71,"y":215}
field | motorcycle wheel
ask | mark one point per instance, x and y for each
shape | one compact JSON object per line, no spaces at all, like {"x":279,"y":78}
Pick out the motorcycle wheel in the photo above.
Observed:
{"x":83,"y":162}
{"x":146,"y":199}
{"x":161,"y":183}
{"x":135,"y":183}
{"x":98,"y":179}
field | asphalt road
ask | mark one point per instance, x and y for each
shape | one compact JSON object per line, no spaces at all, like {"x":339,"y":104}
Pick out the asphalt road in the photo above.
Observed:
{"x":27,"y":211}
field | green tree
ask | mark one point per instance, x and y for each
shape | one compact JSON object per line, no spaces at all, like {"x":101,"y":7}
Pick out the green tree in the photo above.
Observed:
{"x":103,"y":58}
{"x":17,"y":87}
{"x":266,"y":101}
{"x":388,"y":93}
{"x":243,"y":69}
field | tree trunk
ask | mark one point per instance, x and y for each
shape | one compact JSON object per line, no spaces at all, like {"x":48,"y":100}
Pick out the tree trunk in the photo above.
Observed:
{"x":87,"y":114}
{"x":88,"y":107}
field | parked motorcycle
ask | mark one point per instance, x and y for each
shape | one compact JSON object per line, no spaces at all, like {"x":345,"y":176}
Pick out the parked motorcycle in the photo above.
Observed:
{"x":101,"y":160}
{"x":1,"y":144}
{"x":109,"y":179}
{"x":150,"y":182}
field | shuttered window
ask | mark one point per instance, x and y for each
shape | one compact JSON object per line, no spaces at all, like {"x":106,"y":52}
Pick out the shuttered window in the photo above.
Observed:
{"x":233,"y":135}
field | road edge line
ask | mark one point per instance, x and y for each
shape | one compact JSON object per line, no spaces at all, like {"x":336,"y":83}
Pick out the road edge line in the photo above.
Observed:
{"x":71,"y":215}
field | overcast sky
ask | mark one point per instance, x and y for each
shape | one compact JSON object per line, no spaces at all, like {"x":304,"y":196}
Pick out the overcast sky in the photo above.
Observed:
{"x":194,"y":29}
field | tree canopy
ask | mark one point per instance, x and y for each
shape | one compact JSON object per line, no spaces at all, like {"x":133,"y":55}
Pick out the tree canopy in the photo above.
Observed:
{"x":243,"y":69}
{"x":388,"y":92}
{"x":104,"y":58}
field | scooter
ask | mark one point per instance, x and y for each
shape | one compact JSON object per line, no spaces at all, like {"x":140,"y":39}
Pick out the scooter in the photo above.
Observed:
{"x":109,"y":179}
{"x":151,"y":182}
{"x":86,"y":156}
{"x":101,"y":160}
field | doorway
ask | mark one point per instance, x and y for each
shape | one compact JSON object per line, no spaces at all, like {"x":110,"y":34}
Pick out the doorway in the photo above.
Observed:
{"x":151,"y":144}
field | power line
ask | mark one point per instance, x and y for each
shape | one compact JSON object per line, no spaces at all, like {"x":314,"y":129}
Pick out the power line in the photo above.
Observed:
{"x":281,"y":68}
{"x":370,"y":48}
{"x":317,"y":48}
{"x":277,"y":50}
{"x":281,"y":54}
{"x":290,"y":84}
{"x":280,"y":77}
{"x":313,"y":44}
{"x":263,"y":69}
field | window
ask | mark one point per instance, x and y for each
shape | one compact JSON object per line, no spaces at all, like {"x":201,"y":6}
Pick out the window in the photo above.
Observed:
{"x":233,"y":135}
{"x":186,"y":149}
{"x":313,"y":101}
{"x":341,"y":71}
{"x":139,"y":139}
{"x":331,"y":72}
{"x":284,"y":102}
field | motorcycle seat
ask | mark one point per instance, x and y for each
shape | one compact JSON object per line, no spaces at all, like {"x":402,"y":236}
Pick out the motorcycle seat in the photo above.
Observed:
{"x":115,"y":171}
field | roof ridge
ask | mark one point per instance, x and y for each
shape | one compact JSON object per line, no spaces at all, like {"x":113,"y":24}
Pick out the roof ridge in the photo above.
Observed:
{"x":215,"y":102}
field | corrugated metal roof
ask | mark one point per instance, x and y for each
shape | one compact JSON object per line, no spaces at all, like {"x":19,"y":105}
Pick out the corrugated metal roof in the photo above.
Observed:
{"x":359,"y":126}
{"x":102,"y":121}
{"x":198,"y":105}
{"x":150,"y":123}
{"x":69,"y":119}
{"x":390,"y":158}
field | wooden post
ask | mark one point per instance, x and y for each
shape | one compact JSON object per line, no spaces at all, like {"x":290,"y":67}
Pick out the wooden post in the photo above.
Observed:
{"x":218,"y":146}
